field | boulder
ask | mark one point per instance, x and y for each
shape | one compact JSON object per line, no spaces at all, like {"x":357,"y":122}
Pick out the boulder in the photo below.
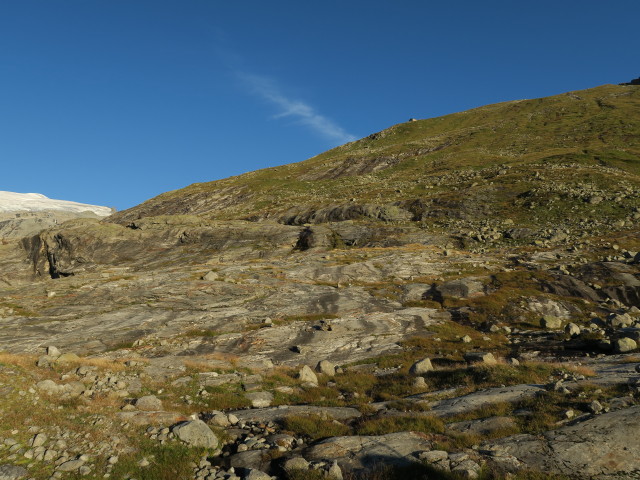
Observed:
{"x":53,"y":351}
{"x":255,"y":474}
{"x":335,"y":472}
{"x":306,"y":375}
{"x":421,"y":367}
{"x":149,"y":403}
{"x":71,"y":465}
{"x":48,"y":386}
{"x":250,"y":459}
{"x":624,"y":345}
{"x":550,"y":322}
{"x":67,"y":358}
{"x":480,"y":357}
{"x":461,"y":288}
{"x":419,"y":383}
{"x":572,"y":330}
{"x":260,"y":399}
{"x":326,"y":367}
{"x":12,"y":472}
{"x":295,"y":463}
{"x":210,"y":276}
{"x":620,"y":321}
{"x":196,"y":433}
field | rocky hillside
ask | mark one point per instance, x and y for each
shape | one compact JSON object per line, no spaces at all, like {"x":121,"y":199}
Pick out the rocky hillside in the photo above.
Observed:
{"x":532,"y":161}
{"x":450,"y":298}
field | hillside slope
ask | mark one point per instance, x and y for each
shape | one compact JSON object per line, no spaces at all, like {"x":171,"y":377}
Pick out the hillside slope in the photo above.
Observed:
{"x":519,"y":159}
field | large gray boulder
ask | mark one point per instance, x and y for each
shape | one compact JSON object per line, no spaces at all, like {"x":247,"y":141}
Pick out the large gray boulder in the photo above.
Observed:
{"x":550,"y":322}
{"x":460,"y":288}
{"x":421,"y":367}
{"x":624,"y":345}
{"x":196,"y":433}
{"x":326,"y":367}
{"x":255,"y":474}
{"x":480,"y":357}
{"x":306,"y":375}
{"x":149,"y":403}
{"x":260,"y":399}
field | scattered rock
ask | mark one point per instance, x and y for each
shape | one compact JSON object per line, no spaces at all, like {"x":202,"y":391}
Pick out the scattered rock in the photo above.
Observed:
{"x":196,"y":433}
{"x":149,"y":403}
{"x":306,"y":375}
{"x":326,"y":367}
{"x":624,"y":345}
{"x":260,"y":399}
{"x":419,"y":383}
{"x":67,"y":358}
{"x":210,"y":276}
{"x":595,"y":407}
{"x":53,"y":352}
{"x":295,"y":463}
{"x":254,"y":474}
{"x":550,"y":322}
{"x":421,"y":367}
{"x":480,"y":357}
{"x":572,"y":330}
{"x":70,"y":465}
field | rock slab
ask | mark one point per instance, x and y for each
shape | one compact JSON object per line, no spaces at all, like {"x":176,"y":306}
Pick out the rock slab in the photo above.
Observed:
{"x":357,"y":452}
{"x":12,"y":472}
{"x":606,"y":446}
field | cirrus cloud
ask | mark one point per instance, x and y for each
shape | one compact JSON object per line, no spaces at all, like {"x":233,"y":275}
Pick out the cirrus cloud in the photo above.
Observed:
{"x":288,"y":107}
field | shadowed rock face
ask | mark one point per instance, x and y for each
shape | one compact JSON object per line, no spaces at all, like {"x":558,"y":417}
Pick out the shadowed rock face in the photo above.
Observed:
{"x":616,"y":280}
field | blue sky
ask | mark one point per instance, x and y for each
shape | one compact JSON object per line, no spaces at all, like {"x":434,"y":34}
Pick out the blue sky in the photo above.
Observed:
{"x":112,"y":102}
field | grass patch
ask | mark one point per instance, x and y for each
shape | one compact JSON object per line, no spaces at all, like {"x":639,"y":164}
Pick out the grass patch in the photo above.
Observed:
{"x":384,"y":425}
{"x":167,"y":462}
{"x":315,"y":426}
{"x":483,"y":376}
{"x":500,"y":409}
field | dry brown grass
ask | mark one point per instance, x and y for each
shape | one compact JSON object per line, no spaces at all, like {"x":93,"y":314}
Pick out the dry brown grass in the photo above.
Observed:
{"x":19,"y":360}
{"x":631,"y":359}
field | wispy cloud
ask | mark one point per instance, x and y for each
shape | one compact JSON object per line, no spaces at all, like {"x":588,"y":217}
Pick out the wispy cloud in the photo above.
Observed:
{"x":304,"y":113}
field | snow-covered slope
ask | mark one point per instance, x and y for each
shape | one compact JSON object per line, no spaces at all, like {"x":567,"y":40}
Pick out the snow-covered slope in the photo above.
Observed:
{"x":35,"y":202}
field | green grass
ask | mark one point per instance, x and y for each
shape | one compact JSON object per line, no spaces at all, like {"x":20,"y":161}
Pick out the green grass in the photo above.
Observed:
{"x":315,"y":426}
{"x":167,"y":462}
{"x":392,"y":424}
{"x":484,"y":376}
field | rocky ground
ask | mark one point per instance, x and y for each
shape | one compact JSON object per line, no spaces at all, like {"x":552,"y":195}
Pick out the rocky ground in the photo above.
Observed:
{"x":241,"y":354}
